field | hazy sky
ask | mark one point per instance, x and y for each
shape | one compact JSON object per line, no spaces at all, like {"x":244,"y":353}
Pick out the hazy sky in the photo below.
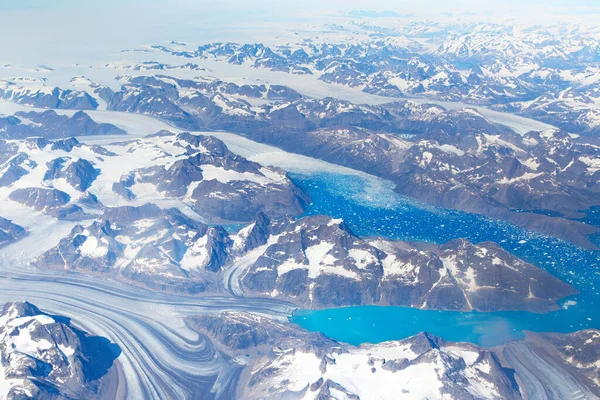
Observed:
{"x":42,"y":29}
{"x":403,"y":6}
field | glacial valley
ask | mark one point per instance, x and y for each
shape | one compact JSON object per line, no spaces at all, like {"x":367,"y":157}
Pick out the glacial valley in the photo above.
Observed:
{"x":368,"y":206}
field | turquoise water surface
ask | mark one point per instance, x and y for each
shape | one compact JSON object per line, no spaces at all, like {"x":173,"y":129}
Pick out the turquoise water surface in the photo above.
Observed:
{"x":370,"y":207}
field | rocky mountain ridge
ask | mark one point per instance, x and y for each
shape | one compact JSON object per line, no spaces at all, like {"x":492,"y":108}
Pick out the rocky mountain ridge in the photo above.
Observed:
{"x":43,"y":356}
{"x":282,"y":360}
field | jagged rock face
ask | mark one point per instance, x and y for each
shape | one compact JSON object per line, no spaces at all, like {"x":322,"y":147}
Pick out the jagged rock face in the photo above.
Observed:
{"x":253,"y":235}
{"x":314,"y":262}
{"x":462,"y":275}
{"x":569,"y":110}
{"x":35,"y":93}
{"x":418,"y":367}
{"x":537,"y":172}
{"x":159,"y":249}
{"x":318,"y":262}
{"x":463,"y":161}
{"x":197,"y":104}
{"x":50,"y":176}
{"x":533,"y":74}
{"x":289,"y":362}
{"x":14,"y":163}
{"x":198,"y":170}
{"x":50,"y":125}
{"x":220,"y":185}
{"x":40,"y":199}
{"x":10,"y":232}
{"x":43,"y":357}
{"x":79,"y":174}
{"x":473,"y":172}
{"x":492,"y":278}
{"x":193,"y":103}
{"x":238,"y":200}
{"x":90,"y":201}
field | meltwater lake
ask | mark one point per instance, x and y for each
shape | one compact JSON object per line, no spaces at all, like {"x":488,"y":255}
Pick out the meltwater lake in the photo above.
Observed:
{"x":370,"y":207}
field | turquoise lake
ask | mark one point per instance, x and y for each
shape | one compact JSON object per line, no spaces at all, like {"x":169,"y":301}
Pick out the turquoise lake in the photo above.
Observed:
{"x":370,"y":207}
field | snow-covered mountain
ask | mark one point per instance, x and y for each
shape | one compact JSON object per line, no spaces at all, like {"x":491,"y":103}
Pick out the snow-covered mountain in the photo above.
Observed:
{"x":159,"y":249}
{"x":419,"y":367}
{"x":520,"y":67}
{"x":201,"y":171}
{"x":214,"y":104}
{"x":318,"y":262}
{"x":459,"y":159}
{"x":37,"y":93}
{"x":10,"y":232}
{"x":314,"y":262}
{"x":456,"y":158}
{"x":283,"y":361}
{"x":44,"y":357}
{"x":141,"y":232}
{"x":50,"y":125}
{"x":61,"y":178}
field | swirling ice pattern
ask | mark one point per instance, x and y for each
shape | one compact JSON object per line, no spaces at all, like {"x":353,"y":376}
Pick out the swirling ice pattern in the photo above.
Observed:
{"x":161,"y":357}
